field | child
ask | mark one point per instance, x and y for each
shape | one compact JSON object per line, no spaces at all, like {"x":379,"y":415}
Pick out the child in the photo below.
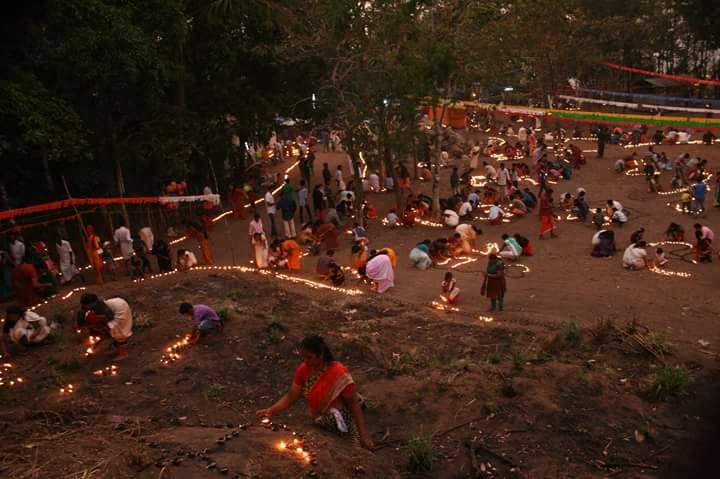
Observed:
{"x":260,"y":244}
{"x":107,"y":257}
{"x":337,"y":277}
{"x":599,"y":218}
{"x":618,"y":217}
{"x":450,"y":291}
{"x":392,"y":218}
{"x":660,"y":258}
{"x":685,"y":200}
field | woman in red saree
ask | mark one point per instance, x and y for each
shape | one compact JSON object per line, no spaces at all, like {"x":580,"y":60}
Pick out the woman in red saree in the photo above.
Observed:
{"x":547,"y":220}
{"x":329,"y":390}
{"x":93,"y":251}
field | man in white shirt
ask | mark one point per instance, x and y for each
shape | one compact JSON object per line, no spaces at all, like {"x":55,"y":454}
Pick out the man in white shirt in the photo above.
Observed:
{"x":705,"y":232}
{"x":303,"y":202}
{"x":618,"y":217}
{"x":22,"y":327}
{"x":613,"y":204}
{"x":496,"y":214}
{"x":465,"y":210}
{"x":112,"y":317}
{"x":392,"y":218}
{"x":503,"y":181}
{"x":122,"y":237}
{"x":451,"y":218}
{"x":339,"y":177}
{"x":522,"y":134}
{"x":271,"y":209}
{"x":444,"y":158}
{"x":635,"y":256}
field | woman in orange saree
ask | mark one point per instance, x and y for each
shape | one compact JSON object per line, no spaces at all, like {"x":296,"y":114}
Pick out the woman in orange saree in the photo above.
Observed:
{"x":93,"y":250}
{"x":329,"y":390}
{"x":547,"y":220}
{"x":293,"y":252}
{"x":196,"y":231}
{"x":237,"y":201}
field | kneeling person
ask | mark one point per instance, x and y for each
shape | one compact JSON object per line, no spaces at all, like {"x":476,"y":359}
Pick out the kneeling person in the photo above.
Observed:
{"x":204,"y":318}
{"x":110,"y":318}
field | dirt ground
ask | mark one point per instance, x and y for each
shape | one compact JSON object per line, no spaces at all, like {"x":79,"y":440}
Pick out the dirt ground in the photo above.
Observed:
{"x":523,"y":393}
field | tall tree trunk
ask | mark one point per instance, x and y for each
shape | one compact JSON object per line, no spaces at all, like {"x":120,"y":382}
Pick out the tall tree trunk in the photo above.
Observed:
{"x":387,"y":160}
{"x":357,"y":183}
{"x":60,"y":227}
{"x":436,"y":157}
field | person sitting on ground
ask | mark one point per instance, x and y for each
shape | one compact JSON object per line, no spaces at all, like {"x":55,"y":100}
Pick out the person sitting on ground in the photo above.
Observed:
{"x":292,"y":252}
{"x":618,"y":217}
{"x":613,"y":204}
{"x":186,"y":260}
{"x":450,"y":290}
{"x":599,"y":218}
{"x":474,"y":198}
{"x":22,"y":327}
{"x":637,"y":235}
{"x":675,"y":232}
{"x":495,"y":215}
{"x":337,"y":276}
{"x":420,"y":255}
{"x":580,"y":206}
{"x":455,"y":245}
{"x":205,"y":320}
{"x":380,"y":271}
{"x":359,"y":254}
{"x":635,"y":256}
{"x":510,"y":249}
{"x":450,"y":218}
{"x":708,"y":137}
{"x":529,"y":198}
{"x":603,"y":244}
{"x":465,"y":211}
{"x":566,"y":202}
{"x":439,"y":249}
{"x":392,"y":218}
{"x":323,"y":264}
{"x":660,"y":258}
{"x":524,"y":243}
{"x":359,"y":234}
{"x":328,"y":389}
{"x":409,"y":216}
{"x":517,"y":207}
{"x":468,"y":234}
{"x":110,"y":318}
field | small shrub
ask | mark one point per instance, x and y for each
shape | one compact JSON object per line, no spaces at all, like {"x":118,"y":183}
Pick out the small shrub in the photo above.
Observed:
{"x":275,"y":331}
{"x":571,"y":331}
{"x":518,"y":361}
{"x":669,"y":382}
{"x":215,"y":391}
{"x":420,"y":455}
{"x":394,"y":365}
{"x":224,"y":314}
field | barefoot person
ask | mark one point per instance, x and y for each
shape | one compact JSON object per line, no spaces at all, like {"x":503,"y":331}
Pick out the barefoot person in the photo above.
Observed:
{"x":494,"y":286}
{"x":547,"y":220}
{"x":22,"y":327}
{"x":204,"y":318}
{"x":635,"y":256}
{"x":110,"y":318}
{"x":329,"y":390}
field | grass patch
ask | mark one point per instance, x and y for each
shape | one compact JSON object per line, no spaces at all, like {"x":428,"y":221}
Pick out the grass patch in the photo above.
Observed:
{"x":420,"y":455}
{"x":571,"y":332}
{"x":518,"y":360}
{"x":404,"y":363}
{"x":215,"y":391}
{"x":669,"y":382}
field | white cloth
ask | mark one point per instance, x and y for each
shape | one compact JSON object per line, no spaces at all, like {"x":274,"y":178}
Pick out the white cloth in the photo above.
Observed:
{"x":596,"y":237}
{"x":465,"y":209}
{"x":261,"y":252}
{"x":17,"y":251}
{"x":207,"y":191}
{"x":634,"y":257}
{"x":619,"y":216}
{"x":121,"y":324}
{"x":503,"y":177}
{"x":451,"y":218}
{"x":270,"y":203}
{"x":123,"y":238}
{"x":495,"y":212}
{"x":380,"y":270}
{"x":522,"y":134}
{"x":707,"y":233}
{"x":31,"y":323}
{"x":490,"y":172}
{"x":147,"y":237}
{"x":374,"y":180}
{"x":616,"y":204}
{"x":67,"y":261}
{"x":187,"y":261}
{"x":392,"y":219}
{"x":466,"y":232}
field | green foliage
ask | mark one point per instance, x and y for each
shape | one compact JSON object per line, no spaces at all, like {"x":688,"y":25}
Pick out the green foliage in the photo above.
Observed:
{"x":275,"y":331}
{"x":669,"y":382}
{"x":215,"y":391}
{"x":420,"y":455}
{"x":571,"y":331}
{"x":224,"y":314}
{"x":518,"y":360}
